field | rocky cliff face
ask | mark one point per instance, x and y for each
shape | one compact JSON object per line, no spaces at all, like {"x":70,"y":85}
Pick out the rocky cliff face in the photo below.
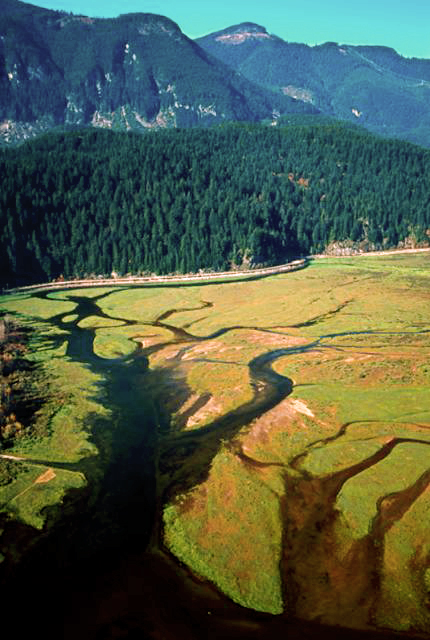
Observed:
{"x":135,"y":72}
{"x":139,"y":72}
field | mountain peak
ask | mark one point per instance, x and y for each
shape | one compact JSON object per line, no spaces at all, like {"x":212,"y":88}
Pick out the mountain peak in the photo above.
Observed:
{"x":241,"y":33}
{"x":151,"y":22}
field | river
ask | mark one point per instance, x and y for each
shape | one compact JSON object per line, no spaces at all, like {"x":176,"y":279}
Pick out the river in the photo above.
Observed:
{"x":100,"y":571}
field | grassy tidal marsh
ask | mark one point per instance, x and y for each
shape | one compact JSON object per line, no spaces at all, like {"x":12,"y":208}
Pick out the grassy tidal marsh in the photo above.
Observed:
{"x":292,"y":458}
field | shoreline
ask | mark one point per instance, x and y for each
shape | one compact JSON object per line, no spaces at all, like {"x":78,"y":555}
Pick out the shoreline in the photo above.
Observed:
{"x":295,"y":265}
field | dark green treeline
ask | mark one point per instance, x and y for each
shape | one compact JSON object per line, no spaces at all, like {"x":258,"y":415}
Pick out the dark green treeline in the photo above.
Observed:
{"x":93,"y":202}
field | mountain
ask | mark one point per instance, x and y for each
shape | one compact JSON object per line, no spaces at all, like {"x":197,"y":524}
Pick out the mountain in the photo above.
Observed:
{"x":138,"y":71}
{"x":370,"y":85}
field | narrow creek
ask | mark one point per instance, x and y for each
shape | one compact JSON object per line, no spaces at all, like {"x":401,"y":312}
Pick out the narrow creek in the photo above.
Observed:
{"x":100,"y":572}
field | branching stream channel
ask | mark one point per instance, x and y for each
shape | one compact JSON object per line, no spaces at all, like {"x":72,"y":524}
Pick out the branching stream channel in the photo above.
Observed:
{"x":101,"y":571}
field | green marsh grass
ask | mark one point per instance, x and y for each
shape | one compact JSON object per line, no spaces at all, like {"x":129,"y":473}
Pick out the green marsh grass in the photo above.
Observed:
{"x":25,"y":498}
{"x":230,"y":528}
{"x":208,"y":533}
{"x":358,"y":498}
{"x":74,"y":396}
{"x":404,"y":593}
{"x":379,"y":382}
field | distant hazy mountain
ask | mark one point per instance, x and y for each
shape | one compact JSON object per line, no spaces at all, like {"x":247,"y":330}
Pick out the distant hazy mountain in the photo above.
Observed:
{"x":373,"y":86}
{"x":137,"y":71}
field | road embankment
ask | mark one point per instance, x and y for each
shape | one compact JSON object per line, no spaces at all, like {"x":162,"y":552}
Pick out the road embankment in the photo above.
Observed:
{"x":167,"y":279}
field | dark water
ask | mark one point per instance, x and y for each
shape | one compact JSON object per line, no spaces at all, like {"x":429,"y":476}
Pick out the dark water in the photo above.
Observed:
{"x":101,"y":571}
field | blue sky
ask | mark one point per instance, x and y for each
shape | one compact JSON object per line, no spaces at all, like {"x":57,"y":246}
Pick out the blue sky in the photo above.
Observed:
{"x":401,"y":24}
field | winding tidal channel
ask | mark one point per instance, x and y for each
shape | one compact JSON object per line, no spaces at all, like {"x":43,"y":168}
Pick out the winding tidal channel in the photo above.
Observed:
{"x":101,"y":571}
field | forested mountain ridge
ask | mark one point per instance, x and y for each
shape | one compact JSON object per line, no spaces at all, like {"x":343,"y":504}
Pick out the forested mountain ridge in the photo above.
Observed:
{"x":139,"y":71}
{"x":370,"y":85}
{"x":93,"y":202}
{"x":134,"y":72}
